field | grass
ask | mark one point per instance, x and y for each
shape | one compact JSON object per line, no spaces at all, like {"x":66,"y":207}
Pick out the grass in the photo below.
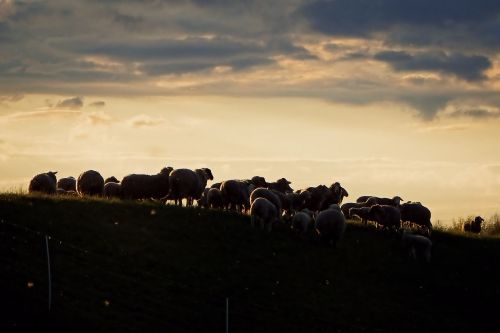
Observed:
{"x":126,"y":266}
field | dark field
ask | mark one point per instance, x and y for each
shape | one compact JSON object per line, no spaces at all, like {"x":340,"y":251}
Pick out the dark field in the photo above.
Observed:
{"x":141,"y":267}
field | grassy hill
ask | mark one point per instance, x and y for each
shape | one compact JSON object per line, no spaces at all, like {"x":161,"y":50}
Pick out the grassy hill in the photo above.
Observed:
{"x":129,"y":267}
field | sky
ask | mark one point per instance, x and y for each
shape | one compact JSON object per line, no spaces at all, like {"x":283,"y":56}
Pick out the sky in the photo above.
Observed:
{"x":387,"y":97}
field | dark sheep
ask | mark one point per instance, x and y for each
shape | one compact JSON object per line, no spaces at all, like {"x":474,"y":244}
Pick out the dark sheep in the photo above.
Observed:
{"x":112,"y":190}
{"x":417,"y":246}
{"x":43,"y":183}
{"x":330,"y":225}
{"x":236,"y":195}
{"x":67,"y":183}
{"x":395,"y":201}
{"x":111,"y":179}
{"x":363,"y":198}
{"x":334,"y":196}
{"x":281,"y":185}
{"x":188,"y":184}
{"x":141,"y":186}
{"x":270,"y":195}
{"x":473,"y":226}
{"x":263,"y":212}
{"x":216,"y":185}
{"x":347,"y":206}
{"x":387,"y":216}
{"x":363,"y":213}
{"x":214,"y":199}
{"x":90,"y":182}
{"x":416,"y":213}
{"x":202,"y":202}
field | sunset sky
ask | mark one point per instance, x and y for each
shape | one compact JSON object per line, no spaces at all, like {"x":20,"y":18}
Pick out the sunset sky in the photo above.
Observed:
{"x":387,"y":97}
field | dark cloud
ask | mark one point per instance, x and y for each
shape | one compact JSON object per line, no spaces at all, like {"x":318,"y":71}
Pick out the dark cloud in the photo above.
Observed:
{"x":475,"y":113}
{"x":470,"y":68}
{"x":98,"y":104}
{"x":70,"y":103}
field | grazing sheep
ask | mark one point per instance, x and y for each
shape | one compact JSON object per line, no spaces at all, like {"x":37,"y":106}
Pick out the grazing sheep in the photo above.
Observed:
{"x":215,"y":199}
{"x":140,"y":186}
{"x":111,"y":179}
{"x":363,"y":198}
{"x":67,"y":183}
{"x":419,"y":247}
{"x":473,"y":226}
{"x":188,"y":184}
{"x":347,"y":206}
{"x":263,"y":212}
{"x":112,"y":190}
{"x":395,"y":201}
{"x":236,"y":195}
{"x":385,"y":215}
{"x":90,"y":182}
{"x":281,"y":185}
{"x":202,"y":202}
{"x":363,"y":213}
{"x":416,"y":213}
{"x":262,"y":192}
{"x":216,"y":185}
{"x":303,"y":221}
{"x":330,"y":225}
{"x":43,"y":183}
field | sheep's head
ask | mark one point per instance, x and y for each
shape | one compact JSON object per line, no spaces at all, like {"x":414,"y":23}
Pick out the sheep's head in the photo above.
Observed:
{"x":259,"y":181}
{"x":478,"y":220}
{"x":166,"y":170}
{"x":397,"y":200}
{"x":284,"y":185}
{"x":52,"y":175}
{"x":208,"y":173}
{"x":111,"y":179}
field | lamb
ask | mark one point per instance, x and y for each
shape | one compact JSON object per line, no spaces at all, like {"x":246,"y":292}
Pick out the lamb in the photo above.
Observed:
{"x":387,"y":216}
{"x":235,"y":194}
{"x":140,"y":186}
{"x":67,"y":183}
{"x":347,"y":206}
{"x":214,"y":199}
{"x":473,"y":226}
{"x":188,"y":184}
{"x":363,"y":213}
{"x":416,"y":213}
{"x":112,"y":190}
{"x":111,"y":179}
{"x":303,"y":221}
{"x":263,"y":212}
{"x":262,"y":192}
{"x":330,"y":225}
{"x":395,"y":201}
{"x":90,"y":182}
{"x":419,"y":247}
{"x":43,"y":183}
{"x":281,"y":185}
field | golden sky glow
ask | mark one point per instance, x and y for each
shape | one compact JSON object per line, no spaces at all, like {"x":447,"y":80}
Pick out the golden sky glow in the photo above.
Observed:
{"x":292,"y":89}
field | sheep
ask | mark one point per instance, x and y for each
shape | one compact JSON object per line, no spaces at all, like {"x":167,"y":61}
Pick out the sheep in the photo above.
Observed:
{"x":281,"y":185}
{"x":235,"y":194}
{"x":363,"y":213}
{"x":259,"y":181}
{"x":315,"y":197}
{"x":386,"y":215}
{"x":262,"y":192}
{"x":347,"y":206}
{"x":335,"y":195}
{"x":90,"y":182}
{"x":67,"y":183}
{"x":395,"y":201}
{"x":216,"y":185}
{"x":111,"y":179}
{"x":188,"y":184}
{"x":112,"y":190}
{"x":214,"y":199}
{"x":263,"y":212}
{"x":363,"y":198}
{"x":330,"y":225}
{"x":473,"y":226}
{"x":43,"y":183}
{"x":419,"y":247}
{"x":416,"y":213}
{"x":140,"y":186}
{"x":202,"y":202}
{"x":302,"y":221}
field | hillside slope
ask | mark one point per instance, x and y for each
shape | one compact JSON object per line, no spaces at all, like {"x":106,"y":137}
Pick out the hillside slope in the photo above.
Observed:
{"x":129,"y":267}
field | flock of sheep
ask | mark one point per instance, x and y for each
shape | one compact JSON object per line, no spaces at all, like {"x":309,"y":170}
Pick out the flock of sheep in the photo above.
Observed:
{"x":314,"y":209}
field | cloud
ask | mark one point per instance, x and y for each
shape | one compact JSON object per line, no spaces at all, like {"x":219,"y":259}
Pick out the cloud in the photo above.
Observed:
{"x":73,"y":103}
{"x":97,"y":104}
{"x":40,"y":114}
{"x":444,"y":128}
{"x":144,"y":120}
{"x":475,"y":113}
{"x":98,"y":118}
{"x":470,"y":68}
{"x":11,"y":98}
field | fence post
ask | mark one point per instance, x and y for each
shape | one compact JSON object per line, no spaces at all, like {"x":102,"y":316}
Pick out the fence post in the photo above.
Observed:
{"x":227,"y":314}
{"x":48,"y":270}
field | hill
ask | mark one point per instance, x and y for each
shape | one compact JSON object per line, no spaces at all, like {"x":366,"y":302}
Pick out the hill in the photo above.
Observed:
{"x":128,"y":267}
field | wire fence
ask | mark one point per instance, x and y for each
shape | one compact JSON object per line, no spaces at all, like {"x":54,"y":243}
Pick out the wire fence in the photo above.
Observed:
{"x":56,"y":278}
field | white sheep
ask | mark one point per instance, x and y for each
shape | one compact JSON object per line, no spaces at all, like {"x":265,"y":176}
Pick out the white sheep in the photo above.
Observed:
{"x":418,"y":246}
{"x":263,"y":212}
